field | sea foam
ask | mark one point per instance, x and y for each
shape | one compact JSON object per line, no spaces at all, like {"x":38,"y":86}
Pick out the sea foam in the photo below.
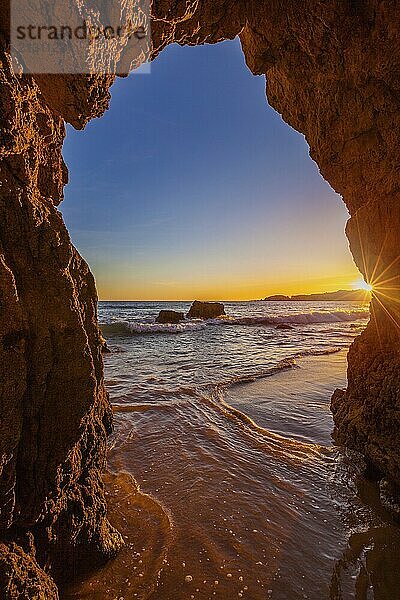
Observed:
{"x":127,"y":328}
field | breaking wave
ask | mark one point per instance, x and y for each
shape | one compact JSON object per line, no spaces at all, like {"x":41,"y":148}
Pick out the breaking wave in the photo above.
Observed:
{"x":308,"y":318}
{"x":127,"y":328}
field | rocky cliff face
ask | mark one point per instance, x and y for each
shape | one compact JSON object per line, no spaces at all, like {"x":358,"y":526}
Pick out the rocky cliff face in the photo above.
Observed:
{"x":333,"y":72}
{"x":55,"y":414}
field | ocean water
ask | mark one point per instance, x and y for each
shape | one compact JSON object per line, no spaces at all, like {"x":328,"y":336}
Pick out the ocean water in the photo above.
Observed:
{"x":232,"y":486}
{"x":153,"y":362}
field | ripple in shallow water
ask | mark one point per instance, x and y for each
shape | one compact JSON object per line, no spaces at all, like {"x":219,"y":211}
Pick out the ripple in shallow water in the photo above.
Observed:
{"x":230,"y":436}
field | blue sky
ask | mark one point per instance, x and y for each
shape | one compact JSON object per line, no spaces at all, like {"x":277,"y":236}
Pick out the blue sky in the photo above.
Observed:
{"x":192,"y":186}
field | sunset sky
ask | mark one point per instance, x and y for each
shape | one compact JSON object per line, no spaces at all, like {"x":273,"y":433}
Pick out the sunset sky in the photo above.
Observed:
{"x":191,"y":186}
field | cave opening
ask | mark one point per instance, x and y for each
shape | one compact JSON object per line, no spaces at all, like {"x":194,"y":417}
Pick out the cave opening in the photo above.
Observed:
{"x":277,"y":371}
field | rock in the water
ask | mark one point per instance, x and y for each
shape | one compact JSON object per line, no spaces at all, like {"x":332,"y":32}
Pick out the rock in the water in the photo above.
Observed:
{"x":170,"y":317}
{"x":283,"y":326}
{"x":206,"y":310}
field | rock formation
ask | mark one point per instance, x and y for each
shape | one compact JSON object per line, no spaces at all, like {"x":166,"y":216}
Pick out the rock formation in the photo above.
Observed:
{"x":277,"y":298}
{"x":339,"y":296}
{"x":333,"y":72}
{"x":170,"y":317}
{"x":206,"y":310}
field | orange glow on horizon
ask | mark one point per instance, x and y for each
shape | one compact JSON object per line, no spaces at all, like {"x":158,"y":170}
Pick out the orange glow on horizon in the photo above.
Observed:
{"x":222,"y":288}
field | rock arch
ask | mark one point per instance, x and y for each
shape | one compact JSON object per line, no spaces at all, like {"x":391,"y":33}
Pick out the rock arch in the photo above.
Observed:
{"x":333,"y":72}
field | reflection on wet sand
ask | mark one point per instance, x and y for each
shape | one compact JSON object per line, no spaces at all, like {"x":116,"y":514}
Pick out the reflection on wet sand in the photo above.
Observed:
{"x":147,"y":532}
{"x":369,"y":566}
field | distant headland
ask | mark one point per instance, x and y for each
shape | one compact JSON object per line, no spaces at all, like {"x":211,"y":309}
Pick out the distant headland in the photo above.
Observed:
{"x":339,"y":296}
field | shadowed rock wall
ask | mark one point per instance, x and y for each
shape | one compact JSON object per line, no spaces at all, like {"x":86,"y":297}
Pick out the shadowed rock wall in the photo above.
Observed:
{"x":332,"y":71}
{"x":55,"y":413}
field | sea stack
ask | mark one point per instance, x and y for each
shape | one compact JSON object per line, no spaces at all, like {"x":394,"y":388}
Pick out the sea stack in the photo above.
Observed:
{"x":206,"y":310}
{"x":170,"y":317}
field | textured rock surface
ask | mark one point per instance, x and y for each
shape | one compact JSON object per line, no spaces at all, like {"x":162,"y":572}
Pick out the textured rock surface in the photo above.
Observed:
{"x":55,"y":413}
{"x":206,"y":310}
{"x":170,"y":316}
{"x":333,"y":72}
{"x":21,"y":576}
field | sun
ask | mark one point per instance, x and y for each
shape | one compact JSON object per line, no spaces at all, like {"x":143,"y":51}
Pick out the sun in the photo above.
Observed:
{"x":366,"y":286}
{"x":361,"y":284}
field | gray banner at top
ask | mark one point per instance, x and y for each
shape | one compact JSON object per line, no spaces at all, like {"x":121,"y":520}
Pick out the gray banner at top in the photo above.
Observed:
{"x":70,"y":36}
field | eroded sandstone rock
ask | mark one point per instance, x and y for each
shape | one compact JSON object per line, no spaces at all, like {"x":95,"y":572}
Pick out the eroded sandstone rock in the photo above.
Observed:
{"x":55,"y":414}
{"x":21,"y":577}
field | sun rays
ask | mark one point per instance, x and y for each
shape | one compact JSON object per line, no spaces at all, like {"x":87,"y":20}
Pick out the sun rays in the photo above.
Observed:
{"x":382,"y":283}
